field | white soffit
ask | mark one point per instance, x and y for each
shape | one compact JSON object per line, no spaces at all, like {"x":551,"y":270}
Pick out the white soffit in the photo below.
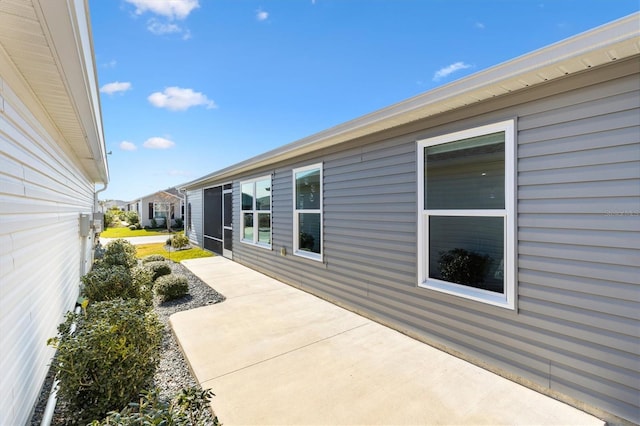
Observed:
{"x":49,"y":43}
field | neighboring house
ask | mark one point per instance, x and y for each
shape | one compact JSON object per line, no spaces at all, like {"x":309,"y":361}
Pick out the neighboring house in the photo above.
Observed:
{"x":158,"y":206}
{"x":109,"y":204}
{"x":496,"y":217}
{"x":52,"y":154}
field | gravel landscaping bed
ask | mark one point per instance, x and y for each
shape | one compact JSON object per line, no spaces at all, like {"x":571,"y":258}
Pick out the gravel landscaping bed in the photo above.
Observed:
{"x":173,"y":372}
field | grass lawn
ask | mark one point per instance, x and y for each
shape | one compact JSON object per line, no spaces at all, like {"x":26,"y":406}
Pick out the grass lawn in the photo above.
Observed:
{"x":126,"y":232}
{"x":143,"y":250}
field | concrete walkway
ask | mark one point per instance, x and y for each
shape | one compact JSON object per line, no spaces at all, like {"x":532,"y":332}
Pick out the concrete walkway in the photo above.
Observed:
{"x":277,"y":355}
{"x":138,"y":240}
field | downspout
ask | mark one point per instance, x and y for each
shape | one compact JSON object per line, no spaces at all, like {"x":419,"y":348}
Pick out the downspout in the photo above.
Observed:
{"x":47,"y":417}
{"x":50,"y":408}
{"x":95,"y":196}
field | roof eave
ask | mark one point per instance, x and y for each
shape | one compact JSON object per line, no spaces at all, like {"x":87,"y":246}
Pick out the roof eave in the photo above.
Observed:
{"x":611,"y":42}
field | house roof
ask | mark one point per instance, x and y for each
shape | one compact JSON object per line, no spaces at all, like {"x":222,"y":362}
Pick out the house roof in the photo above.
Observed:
{"x":608,"y":43}
{"x":169,"y":192}
{"x":49,"y":43}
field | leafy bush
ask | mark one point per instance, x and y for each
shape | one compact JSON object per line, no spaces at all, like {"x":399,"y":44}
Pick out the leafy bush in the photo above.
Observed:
{"x":107,"y":219}
{"x":159,"y":268}
{"x":179,"y":241}
{"x":108,"y":282}
{"x":110,"y":358}
{"x":463,"y":267}
{"x":170,"y":287}
{"x":142,"y":278}
{"x":154,"y":223}
{"x":169,"y":241}
{"x":133,"y":227}
{"x":120,"y":252}
{"x":153,"y":258}
{"x":188,"y":407}
{"x":131,"y":217}
{"x":179,"y":223}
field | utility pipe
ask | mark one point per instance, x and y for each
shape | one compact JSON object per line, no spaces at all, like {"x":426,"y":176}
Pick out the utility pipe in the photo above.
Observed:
{"x":53,"y":395}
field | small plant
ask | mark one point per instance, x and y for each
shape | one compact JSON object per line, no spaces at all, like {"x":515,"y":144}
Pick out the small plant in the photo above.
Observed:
{"x":108,"y":282}
{"x":179,"y":241}
{"x":169,"y":241}
{"x":110,"y":358}
{"x":154,"y":223}
{"x":188,"y":407}
{"x":179,"y":223}
{"x":133,"y":227}
{"x":463,"y":267}
{"x":170,"y":287}
{"x":120,"y":252}
{"x":153,"y":258}
{"x":159,"y":268}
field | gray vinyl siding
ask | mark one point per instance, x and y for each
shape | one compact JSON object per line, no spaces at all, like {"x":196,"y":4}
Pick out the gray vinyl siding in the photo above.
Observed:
{"x":575,"y":332}
{"x":195,"y":229}
{"x":43,"y":191}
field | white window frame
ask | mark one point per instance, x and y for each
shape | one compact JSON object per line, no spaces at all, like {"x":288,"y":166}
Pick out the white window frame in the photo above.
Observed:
{"x":296,"y":226}
{"x":256,"y":231}
{"x":506,"y":299}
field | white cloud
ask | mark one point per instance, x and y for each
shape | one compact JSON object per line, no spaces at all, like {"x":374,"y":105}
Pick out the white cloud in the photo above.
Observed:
{"x":158,"y":28}
{"x":479,"y":25}
{"x":158,"y":143}
{"x":111,"y":64}
{"x":115,"y":87}
{"x":261,"y":15}
{"x":172,"y":9}
{"x":127,"y":146}
{"x":178,"y":99}
{"x":446,"y":71}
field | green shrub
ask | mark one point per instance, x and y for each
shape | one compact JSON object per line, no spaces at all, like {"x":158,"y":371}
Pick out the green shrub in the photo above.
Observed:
{"x":142,"y":278}
{"x":179,"y":241}
{"x":188,"y":407}
{"x":171,"y":287}
{"x":107,"y":219}
{"x":463,"y":267}
{"x":108,"y":282}
{"x":179,"y":223}
{"x":169,"y":241}
{"x":120,"y":252}
{"x":159,"y":268}
{"x":133,"y":227}
{"x":110,"y":358}
{"x":153,"y":258}
{"x":154,"y":223}
{"x":131,"y":217}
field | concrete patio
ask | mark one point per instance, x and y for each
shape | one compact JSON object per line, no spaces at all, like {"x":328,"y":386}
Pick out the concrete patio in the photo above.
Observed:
{"x":274,"y":354}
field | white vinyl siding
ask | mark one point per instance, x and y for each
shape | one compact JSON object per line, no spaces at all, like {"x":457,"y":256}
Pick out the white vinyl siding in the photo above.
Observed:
{"x":466,"y":229}
{"x":43,"y":191}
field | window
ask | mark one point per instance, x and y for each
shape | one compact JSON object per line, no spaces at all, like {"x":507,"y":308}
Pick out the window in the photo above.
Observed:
{"x":255,"y":220}
{"x":161,"y":211}
{"x":467,"y":214}
{"x":307,"y":212}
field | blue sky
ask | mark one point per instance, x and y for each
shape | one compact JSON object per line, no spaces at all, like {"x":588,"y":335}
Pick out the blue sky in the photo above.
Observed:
{"x":191,"y":86}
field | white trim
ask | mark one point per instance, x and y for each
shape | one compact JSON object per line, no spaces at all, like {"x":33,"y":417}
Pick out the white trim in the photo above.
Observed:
{"x":506,"y":299}
{"x":256,"y":229}
{"x":296,"y":250}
